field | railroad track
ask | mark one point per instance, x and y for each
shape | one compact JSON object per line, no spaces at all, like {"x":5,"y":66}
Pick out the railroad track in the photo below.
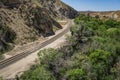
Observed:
{"x":19,"y":56}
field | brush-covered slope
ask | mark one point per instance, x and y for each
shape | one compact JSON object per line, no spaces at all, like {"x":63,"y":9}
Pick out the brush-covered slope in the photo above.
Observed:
{"x":105,"y":15}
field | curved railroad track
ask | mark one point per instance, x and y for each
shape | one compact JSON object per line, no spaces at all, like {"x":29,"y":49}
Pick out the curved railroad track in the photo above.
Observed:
{"x":15,"y":58}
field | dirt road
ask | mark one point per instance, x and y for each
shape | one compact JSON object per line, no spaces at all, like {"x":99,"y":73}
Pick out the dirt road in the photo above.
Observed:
{"x":25,"y":63}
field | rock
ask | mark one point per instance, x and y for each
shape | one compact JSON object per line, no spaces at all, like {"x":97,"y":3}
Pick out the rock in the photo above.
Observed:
{"x":59,"y":9}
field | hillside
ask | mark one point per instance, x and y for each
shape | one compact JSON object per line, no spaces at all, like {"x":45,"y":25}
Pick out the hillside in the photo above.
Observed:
{"x":104,"y":15}
{"x":24,"y":21}
{"x":58,"y":9}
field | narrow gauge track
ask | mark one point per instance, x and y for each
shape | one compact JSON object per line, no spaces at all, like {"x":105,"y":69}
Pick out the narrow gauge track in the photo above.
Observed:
{"x":15,"y":58}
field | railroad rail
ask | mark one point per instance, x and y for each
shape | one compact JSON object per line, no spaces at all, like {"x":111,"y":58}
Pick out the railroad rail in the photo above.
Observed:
{"x":17,"y":57}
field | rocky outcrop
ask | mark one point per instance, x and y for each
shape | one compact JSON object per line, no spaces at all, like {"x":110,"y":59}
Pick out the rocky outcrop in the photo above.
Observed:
{"x":39,"y":19}
{"x":7,"y":35}
{"x":59,"y":9}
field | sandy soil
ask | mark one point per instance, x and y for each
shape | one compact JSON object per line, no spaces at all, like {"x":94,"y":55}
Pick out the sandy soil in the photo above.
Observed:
{"x":24,"y":64}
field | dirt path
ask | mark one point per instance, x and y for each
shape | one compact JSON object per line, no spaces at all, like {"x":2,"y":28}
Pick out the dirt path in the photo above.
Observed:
{"x":25,"y":63}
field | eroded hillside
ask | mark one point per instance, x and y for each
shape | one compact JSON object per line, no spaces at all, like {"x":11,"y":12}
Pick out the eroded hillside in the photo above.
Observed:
{"x":58,"y":9}
{"x":24,"y":21}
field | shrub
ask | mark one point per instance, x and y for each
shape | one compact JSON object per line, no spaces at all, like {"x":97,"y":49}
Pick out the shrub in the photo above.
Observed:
{"x":92,"y":54}
{"x":102,"y":62}
{"x":40,"y":73}
{"x":76,"y":74}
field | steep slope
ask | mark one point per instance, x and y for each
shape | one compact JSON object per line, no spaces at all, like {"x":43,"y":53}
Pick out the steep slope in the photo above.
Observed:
{"x":58,"y":9}
{"x":6,"y":36}
{"x":28,"y":20}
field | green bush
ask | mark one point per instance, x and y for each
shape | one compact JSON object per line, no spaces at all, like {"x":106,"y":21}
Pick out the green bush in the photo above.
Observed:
{"x":49,"y":56}
{"x":1,"y":78}
{"x":99,"y":56}
{"x":102,"y":62}
{"x":40,"y":73}
{"x":1,"y":57}
{"x":76,"y":74}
